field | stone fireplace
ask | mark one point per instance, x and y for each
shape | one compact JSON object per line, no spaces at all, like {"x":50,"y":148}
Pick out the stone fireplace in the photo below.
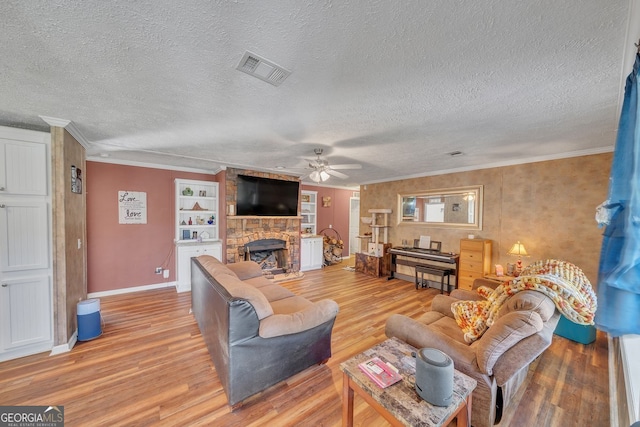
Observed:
{"x":243,"y":230}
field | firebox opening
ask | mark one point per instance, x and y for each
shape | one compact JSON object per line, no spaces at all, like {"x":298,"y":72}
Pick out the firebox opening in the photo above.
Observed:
{"x":271,"y":254}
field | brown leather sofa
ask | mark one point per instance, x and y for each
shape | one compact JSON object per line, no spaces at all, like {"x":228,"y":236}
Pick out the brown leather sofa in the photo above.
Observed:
{"x":258,"y":333}
{"x":499,"y":360}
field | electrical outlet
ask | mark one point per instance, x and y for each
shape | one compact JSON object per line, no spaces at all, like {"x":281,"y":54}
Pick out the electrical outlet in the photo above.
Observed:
{"x":158,"y":270}
{"x":165,"y":274}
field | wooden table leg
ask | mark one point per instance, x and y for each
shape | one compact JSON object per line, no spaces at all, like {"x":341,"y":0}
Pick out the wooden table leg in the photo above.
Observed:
{"x":464,"y":416}
{"x":347,"y":402}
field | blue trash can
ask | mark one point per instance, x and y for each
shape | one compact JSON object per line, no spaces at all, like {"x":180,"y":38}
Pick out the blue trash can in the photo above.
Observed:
{"x":89,"y":320}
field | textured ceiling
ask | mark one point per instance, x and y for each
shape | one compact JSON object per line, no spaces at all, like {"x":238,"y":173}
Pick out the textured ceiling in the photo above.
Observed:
{"x":392,"y":85}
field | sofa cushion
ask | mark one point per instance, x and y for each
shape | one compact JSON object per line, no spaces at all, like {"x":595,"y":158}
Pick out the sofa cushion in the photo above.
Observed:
{"x":290,"y":305}
{"x":246,"y":269}
{"x":238,"y":289}
{"x":309,"y":317}
{"x":258,"y":282}
{"x":442,"y":304}
{"x":504,"y":334}
{"x":275,"y":292}
{"x":213,"y":266}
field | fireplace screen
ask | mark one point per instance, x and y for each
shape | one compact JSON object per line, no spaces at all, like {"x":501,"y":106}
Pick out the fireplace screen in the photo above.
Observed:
{"x":271,"y":254}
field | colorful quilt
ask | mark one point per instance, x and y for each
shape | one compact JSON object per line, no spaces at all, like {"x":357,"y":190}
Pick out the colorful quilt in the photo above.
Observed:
{"x":561,"y":281}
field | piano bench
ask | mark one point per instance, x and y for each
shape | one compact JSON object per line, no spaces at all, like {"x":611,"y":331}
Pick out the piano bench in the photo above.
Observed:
{"x":434,"y":270}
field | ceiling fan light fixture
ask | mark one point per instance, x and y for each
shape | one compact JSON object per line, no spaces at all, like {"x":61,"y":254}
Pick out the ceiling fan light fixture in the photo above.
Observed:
{"x":324,"y":176}
{"x":315,"y":176}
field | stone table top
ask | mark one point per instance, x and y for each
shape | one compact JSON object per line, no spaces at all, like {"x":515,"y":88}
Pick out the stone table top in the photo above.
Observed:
{"x":401,"y":399}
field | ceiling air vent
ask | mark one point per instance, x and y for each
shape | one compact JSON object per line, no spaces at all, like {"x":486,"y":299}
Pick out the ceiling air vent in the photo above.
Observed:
{"x":262,"y":69}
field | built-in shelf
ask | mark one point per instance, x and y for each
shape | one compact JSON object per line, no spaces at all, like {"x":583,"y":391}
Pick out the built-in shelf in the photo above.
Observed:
{"x":309,"y":212}
{"x":203,"y":195}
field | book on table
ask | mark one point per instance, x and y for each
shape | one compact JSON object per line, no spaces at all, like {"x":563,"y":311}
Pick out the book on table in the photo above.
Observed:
{"x":380,"y":372}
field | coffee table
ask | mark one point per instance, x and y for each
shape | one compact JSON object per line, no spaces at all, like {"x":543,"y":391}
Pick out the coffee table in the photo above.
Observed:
{"x":399,"y":403}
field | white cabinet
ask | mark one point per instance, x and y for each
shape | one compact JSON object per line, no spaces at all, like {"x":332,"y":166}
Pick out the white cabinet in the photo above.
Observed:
{"x":309,"y":212}
{"x":196,"y":211}
{"x":311,"y":256}
{"x":26,"y":276}
{"x":185,"y":253}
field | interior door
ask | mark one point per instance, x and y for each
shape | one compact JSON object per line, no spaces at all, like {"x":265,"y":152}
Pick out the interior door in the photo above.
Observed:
{"x":354,"y":224}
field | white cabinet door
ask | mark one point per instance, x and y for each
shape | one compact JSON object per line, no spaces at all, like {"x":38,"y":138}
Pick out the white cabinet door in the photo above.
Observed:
{"x":305,"y":254}
{"x":23,"y":235}
{"x":25,"y":168}
{"x":311,"y":256}
{"x":183,"y":268}
{"x":317,"y":256}
{"x":25,"y":315}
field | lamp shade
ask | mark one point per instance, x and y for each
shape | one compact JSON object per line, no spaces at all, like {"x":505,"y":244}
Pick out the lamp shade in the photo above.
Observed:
{"x":518,"y":249}
{"x":319,"y":176}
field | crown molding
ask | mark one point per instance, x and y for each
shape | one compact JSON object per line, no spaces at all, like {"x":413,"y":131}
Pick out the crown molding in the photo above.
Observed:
{"x":70,"y":127}
{"x":152,"y":165}
{"x":515,"y":162}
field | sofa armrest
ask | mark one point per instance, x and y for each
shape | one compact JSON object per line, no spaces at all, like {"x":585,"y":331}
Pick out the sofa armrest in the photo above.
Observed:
{"x":508,"y":331}
{"x":523,"y":353}
{"x":305,"y":319}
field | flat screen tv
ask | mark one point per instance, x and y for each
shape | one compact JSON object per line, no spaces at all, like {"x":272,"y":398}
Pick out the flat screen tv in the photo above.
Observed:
{"x":267,"y":197}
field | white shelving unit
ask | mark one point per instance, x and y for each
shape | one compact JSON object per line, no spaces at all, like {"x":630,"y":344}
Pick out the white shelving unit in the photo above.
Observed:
{"x":196,"y":226}
{"x":196,"y":212}
{"x":309,"y":212}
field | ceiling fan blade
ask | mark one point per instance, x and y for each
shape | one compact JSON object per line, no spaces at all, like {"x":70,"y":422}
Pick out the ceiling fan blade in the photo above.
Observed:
{"x":336,"y":173}
{"x":347,"y":166}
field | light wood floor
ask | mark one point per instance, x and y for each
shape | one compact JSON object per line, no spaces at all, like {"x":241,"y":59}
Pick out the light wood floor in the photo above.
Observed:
{"x":151,"y":366}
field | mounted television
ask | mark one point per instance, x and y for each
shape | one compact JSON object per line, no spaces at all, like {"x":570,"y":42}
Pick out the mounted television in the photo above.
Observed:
{"x":267,"y":197}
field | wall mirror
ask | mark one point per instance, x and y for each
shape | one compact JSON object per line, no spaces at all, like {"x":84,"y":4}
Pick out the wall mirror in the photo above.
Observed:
{"x":445,"y":207}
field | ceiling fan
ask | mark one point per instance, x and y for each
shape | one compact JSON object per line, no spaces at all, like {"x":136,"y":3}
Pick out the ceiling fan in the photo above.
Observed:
{"x":322,"y":170}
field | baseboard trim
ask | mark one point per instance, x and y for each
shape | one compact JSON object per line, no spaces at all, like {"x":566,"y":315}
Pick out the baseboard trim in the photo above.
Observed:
{"x":132,"y":289}
{"x":65,"y":348}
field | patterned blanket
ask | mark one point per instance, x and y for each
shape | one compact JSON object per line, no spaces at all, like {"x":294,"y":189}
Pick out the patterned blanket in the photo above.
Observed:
{"x":561,"y":281}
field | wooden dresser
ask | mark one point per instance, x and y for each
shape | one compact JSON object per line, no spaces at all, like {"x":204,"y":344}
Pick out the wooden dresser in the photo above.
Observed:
{"x":475,"y":261}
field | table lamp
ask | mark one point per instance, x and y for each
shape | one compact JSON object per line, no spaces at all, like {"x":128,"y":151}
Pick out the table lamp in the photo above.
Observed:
{"x":518,"y":250}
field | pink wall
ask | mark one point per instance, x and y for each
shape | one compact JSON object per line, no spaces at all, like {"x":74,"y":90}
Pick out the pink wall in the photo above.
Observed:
{"x":125,"y":255}
{"x":337,"y":215}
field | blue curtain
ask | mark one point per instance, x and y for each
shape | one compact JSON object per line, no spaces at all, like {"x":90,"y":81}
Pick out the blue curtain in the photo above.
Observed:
{"x":619,"y":270}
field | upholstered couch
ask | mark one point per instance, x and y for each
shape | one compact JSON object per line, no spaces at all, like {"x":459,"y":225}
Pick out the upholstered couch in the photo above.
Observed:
{"x":500,"y":358}
{"x":258,"y":333}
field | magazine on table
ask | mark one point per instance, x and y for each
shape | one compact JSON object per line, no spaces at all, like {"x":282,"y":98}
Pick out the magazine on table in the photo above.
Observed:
{"x":380,"y":372}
